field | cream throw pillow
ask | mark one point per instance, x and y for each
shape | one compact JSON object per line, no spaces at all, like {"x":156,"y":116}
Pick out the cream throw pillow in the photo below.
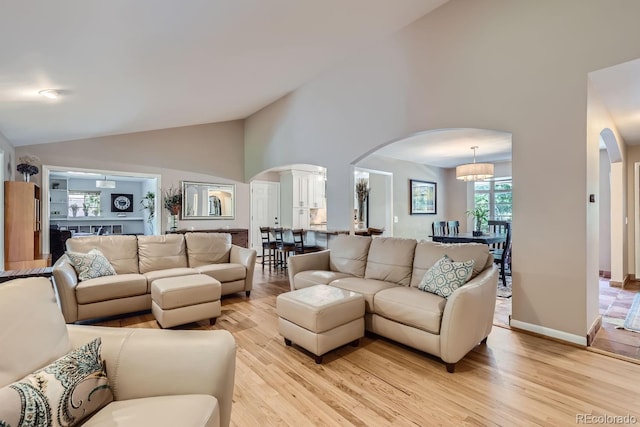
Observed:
{"x":61,"y":394}
{"x":90,"y":265}
{"x":445,"y":276}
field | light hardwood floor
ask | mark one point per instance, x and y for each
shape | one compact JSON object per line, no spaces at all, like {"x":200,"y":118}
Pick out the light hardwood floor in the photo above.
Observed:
{"x":513,"y":380}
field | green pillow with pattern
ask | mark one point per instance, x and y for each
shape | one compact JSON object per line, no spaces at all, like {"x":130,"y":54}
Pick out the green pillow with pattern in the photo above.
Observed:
{"x":91,"y":265}
{"x":445,"y":276}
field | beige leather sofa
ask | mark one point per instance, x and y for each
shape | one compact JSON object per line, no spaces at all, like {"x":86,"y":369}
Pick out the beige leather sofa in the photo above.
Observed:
{"x":138,"y":261}
{"x":158,"y":378}
{"x":387,"y":271}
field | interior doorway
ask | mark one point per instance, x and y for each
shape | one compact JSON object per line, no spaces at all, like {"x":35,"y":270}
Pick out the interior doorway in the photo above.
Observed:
{"x":105,"y":215}
{"x":265,"y":209}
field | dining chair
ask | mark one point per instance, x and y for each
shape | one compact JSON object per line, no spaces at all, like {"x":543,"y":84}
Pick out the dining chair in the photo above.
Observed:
{"x":453,"y":227}
{"x":299,"y":245}
{"x":439,"y":228}
{"x":283,"y":249}
{"x":498,"y":227}
{"x":268,"y":247}
{"x":501,"y":251}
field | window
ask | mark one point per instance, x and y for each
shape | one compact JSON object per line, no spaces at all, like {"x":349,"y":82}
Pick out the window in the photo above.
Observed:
{"x":496,"y":195}
{"x":84,"y":203}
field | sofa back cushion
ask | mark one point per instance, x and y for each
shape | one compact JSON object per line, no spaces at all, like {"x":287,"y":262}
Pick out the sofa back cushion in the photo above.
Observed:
{"x":121,"y":251}
{"x":427,"y":253}
{"x":207,"y":248}
{"x":161,"y":252}
{"x":391,"y":259}
{"x":33,"y":332}
{"x":348,"y":254}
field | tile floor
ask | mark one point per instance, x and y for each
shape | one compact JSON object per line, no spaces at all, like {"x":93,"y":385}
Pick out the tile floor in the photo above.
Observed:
{"x":614,"y":305}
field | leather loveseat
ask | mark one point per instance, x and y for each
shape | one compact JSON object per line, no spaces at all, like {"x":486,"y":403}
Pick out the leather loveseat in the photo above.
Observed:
{"x":155,"y":377}
{"x":387,"y":272}
{"x":138,"y":261}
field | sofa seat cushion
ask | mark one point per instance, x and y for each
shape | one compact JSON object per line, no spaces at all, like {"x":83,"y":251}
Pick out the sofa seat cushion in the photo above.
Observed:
{"x":411,"y":306}
{"x":169,"y":272}
{"x":111,"y":287}
{"x":308,"y":278}
{"x":367,"y":287}
{"x":225,"y":272}
{"x":194,"y":410}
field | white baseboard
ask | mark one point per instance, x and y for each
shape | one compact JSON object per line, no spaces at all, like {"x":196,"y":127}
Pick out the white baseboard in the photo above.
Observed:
{"x":548,"y":332}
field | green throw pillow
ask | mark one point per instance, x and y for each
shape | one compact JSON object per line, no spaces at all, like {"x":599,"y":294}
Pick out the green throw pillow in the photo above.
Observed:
{"x":91,"y":265}
{"x":62,"y":394}
{"x":445,"y":276}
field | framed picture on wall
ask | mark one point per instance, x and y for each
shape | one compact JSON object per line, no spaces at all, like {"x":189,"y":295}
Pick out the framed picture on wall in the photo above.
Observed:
{"x":422,"y":196}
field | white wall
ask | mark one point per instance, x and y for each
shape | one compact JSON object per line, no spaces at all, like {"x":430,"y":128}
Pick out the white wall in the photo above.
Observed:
{"x":604,"y":212}
{"x":513,"y":66}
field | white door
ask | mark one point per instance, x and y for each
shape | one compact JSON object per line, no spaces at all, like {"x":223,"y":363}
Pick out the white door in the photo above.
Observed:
{"x":265,"y":208}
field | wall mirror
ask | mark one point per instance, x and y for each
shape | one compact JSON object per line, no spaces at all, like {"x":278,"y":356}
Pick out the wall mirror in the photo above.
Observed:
{"x":202,"y":200}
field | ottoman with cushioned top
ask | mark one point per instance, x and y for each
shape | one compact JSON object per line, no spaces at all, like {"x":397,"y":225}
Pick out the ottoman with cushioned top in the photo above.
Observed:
{"x":320,"y":318}
{"x":185,"y":299}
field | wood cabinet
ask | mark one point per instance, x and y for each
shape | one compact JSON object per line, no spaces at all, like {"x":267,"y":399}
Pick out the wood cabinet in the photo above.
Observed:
{"x":22,"y":226}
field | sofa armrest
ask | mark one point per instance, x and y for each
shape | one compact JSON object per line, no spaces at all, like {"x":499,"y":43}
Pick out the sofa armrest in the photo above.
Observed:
{"x":246,"y":257}
{"x":65,"y":280}
{"x":303,"y":262}
{"x":468,"y":315}
{"x":147,"y":362}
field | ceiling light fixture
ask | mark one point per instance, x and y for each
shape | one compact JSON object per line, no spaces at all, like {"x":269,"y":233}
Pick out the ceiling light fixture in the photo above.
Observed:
{"x":104,"y":183}
{"x":474,"y":171}
{"x":50,"y":93}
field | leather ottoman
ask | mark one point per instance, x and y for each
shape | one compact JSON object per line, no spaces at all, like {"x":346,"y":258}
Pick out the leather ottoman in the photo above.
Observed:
{"x":320,"y":318}
{"x":185,"y":299}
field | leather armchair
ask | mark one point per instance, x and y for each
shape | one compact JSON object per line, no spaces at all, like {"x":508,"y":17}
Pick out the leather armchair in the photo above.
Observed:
{"x":158,"y":377}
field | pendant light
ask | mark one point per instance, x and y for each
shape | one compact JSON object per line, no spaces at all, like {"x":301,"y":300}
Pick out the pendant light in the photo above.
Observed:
{"x":104,"y":183}
{"x":474,"y":171}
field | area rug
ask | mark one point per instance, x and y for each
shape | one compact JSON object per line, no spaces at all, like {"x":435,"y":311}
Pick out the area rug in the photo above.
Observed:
{"x":632,"y":321}
{"x":504,"y":291}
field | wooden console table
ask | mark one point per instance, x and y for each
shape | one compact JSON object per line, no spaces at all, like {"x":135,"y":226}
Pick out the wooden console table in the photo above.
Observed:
{"x":239,"y":236}
{"x":5,"y":276}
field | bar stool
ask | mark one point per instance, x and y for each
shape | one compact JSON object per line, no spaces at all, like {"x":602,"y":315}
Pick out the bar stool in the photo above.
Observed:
{"x":268,"y":247}
{"x":283,"y":249}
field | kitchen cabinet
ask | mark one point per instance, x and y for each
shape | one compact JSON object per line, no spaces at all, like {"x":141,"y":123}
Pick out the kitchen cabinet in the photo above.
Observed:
{"x":22,"y":226}
{"x":300,"y":218}
{"x":317,"y":198}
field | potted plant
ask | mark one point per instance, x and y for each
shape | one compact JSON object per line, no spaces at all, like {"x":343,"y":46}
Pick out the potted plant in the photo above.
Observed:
{"x":74,"y":209}
{"x":85,"y":209}
{"x":173,"y":200}
{"x":27,"y":166}
{"x":480,"y":215}
{"x":148,"y":202}
{"x":362,"y":192}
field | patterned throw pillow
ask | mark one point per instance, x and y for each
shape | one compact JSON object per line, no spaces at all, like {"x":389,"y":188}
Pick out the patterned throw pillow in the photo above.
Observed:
{"x":62,"y":394}
{"x":91,"y":265}
{"x":445,"y":276}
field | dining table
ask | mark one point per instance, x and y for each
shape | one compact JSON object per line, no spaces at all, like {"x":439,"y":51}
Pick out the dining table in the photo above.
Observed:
{"x":468,"y":237}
